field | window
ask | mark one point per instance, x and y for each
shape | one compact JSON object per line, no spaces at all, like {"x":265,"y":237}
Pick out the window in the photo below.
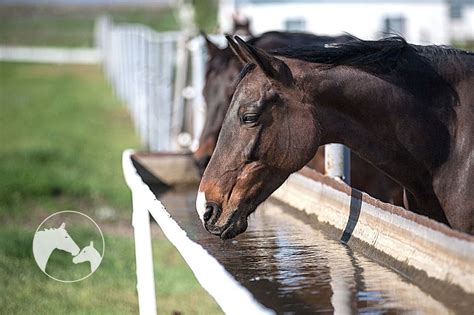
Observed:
{"x":295,"y":25}
{"x":395,"y":25}
{"x":456,"y":10}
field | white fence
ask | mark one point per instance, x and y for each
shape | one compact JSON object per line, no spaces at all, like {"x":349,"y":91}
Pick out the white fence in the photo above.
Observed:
{"x":149,"y":71}
{"x":231,"y":296}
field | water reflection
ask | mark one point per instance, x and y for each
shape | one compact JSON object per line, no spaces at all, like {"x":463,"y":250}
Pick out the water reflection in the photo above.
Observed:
{"x":292,"y":267}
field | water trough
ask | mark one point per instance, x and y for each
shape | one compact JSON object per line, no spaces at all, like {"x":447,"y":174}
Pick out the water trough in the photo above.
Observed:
{"x":316,"y":244}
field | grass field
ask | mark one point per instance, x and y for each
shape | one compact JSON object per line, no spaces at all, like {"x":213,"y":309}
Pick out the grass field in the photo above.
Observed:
{"x":62,"y":134}
{"x":73,"y":26}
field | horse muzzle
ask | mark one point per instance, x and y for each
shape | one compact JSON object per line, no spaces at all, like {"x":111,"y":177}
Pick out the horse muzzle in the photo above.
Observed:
{"x":235,"y":225}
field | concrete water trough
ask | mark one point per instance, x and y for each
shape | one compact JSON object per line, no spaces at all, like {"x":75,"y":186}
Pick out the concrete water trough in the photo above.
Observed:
{"x":315,"y":245}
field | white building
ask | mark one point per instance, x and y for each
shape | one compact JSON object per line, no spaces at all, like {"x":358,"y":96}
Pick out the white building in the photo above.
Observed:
{"x":419,"y":21}
{"x":462,"y":20}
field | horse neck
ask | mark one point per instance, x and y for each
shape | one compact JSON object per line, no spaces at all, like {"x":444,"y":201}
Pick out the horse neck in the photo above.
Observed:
{"x":44,"y":246}
{"x":94,"y":258}
{"x":363,"y":120}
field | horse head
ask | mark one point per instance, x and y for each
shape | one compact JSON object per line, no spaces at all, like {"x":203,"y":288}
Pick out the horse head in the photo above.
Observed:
{"x":64,"y":241}
{"x":268,"y":133}
{"x":221,"y":69}
{"x":84,"y":255}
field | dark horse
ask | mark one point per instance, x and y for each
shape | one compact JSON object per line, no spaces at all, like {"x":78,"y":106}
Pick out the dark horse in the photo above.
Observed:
{"x":407,"y":109}
{"x":223,"y":67}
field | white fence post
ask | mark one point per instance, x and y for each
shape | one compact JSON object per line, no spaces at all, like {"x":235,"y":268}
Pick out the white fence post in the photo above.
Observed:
{"x":152,"y":92}
{"x":179,"y":84}
{"x":166,"y":65}
{"x":198,"y":57}
{"x":337,"y":161}
{"x":143,"y":255}
{"x":142,"y":82}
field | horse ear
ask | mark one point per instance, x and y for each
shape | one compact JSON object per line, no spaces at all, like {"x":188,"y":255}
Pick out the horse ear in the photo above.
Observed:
{"x":241,"y":55}
{"x":63,"y":225}
{"x":273,"y":67}
{"x":91,"y":244}
{"x":212,"y":49}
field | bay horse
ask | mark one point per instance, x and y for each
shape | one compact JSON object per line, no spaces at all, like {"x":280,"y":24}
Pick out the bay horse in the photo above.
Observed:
{"x":407,"y":109}
{"x":223,"y":66}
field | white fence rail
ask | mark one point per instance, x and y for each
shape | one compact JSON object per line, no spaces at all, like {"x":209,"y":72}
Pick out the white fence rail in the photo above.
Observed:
{"x":231,"y":296}
{"x":58,"y":55}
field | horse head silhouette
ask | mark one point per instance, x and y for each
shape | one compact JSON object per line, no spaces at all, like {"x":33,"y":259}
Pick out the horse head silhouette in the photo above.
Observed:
{"x":46,"y":241}
{"x":90,"y":254}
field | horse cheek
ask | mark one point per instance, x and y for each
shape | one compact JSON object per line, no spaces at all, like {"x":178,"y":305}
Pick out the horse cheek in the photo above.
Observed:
{"x":305,"y":139}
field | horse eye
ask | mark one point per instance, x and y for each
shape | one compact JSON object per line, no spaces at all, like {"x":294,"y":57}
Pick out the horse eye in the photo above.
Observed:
{"x":65,"y":236}
{"x":249,"y":118}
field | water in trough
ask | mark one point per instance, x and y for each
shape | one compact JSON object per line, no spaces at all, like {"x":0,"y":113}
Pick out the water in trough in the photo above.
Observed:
{"x":292,"y":267}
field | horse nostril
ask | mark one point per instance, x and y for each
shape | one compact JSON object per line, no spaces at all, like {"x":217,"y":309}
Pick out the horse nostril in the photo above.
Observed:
{"x":208,"y":213}
{"x":212,"y":212}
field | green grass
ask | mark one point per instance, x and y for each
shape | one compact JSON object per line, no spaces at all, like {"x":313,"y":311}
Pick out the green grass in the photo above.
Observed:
{"x":62,"y":134}
{"x":72,"y":26}
{"x":62,"y":138}
{"x":467,"y":45}
{"x":24,"y":289}
{"x":206,"y":15}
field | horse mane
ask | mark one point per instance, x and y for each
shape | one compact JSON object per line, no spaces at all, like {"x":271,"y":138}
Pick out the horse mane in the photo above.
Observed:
{"x":48,"y":230}
{"x":373,"y":55}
